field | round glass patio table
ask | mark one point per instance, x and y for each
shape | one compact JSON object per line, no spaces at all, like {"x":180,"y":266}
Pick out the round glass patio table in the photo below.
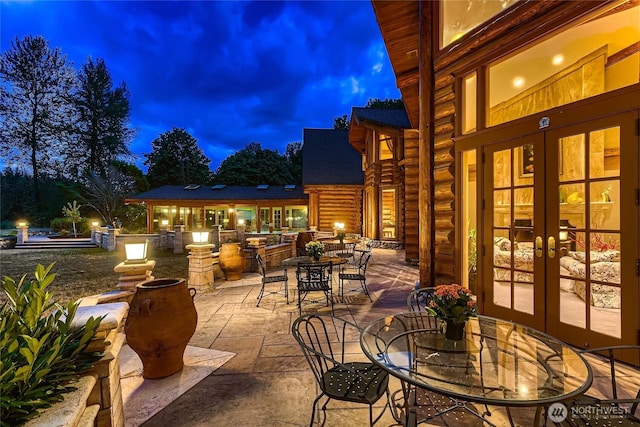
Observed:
{"x":294,"y":261}
{"x":497,"y":362}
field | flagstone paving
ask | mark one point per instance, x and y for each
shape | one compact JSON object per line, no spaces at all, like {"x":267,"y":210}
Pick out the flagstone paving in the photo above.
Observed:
{"x":269,"y":382}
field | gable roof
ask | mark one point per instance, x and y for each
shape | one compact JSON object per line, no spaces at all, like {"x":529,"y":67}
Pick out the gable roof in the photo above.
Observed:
{"x":381,"y":119}
{"x":327,"y":158}
{"x":226,"y":193}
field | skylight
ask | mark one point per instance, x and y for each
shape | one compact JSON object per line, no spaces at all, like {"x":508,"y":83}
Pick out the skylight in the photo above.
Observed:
{"x":192,"y":187}
{"x":218,"y":186}
{"x":262,"y":187}
{"x":289,"y":187}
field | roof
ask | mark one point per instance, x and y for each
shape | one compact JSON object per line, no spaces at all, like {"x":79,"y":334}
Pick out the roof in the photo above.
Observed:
{"x":399,"y":26}
{"x":327,"y":158}
{"x":385,"y":117}
{"x":219,"y":193}
{"x":363,"y":118}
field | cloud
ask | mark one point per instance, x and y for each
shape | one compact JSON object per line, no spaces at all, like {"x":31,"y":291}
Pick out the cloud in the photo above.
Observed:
{"x":230,"y":73}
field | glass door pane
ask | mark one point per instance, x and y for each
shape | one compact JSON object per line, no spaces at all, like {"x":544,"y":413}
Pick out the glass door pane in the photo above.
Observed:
{"x":589,"y":231}
{"x":515,"y":212}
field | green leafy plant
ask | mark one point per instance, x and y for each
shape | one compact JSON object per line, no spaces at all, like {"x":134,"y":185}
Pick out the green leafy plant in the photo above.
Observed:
{"x":315,"y":249}
{"x":41,"y":350}
{"x":72,"y":211}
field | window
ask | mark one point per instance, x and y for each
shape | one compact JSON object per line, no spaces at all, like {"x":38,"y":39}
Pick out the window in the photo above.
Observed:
{"x":458,"y":17}
{"x":296,"y":217}
{"x":469,"y":103}
{"x":216,"y":215}
{"x":385,"y":147}
{"x":589,"y":59}
{"x":277,"y":218}
{"x":388,"y":213}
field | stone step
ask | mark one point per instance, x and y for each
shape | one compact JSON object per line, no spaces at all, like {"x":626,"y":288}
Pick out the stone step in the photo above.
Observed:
{"x":57,"y":244}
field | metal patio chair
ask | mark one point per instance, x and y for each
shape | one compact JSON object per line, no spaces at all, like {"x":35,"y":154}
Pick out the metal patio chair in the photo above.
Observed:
{"x":314,"y":277}
{"x":615,"y":390}
{"x":359,"y":274}
{"x":325,"y":340}
{"x":273,"y":278}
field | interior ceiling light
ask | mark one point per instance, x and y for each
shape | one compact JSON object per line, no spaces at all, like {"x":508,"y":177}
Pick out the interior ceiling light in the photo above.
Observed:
{"x":557,"y":59}
{"x":518,"y":82}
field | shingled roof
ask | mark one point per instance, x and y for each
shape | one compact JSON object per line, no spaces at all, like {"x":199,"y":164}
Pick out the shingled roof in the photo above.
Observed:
{"x":219,"y":193}
{"x":327,"y":158}
{"x":363,"y":119}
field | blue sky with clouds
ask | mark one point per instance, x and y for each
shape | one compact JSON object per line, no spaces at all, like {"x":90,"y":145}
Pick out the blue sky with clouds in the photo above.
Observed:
{"x":230,"y":72}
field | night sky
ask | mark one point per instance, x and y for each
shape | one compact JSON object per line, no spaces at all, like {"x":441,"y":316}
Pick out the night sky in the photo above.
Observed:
{"x":230,"y":73}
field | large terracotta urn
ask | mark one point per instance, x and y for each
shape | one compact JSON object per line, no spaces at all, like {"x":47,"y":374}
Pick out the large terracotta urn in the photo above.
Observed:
{"x":231,"y":260}
{"x":162,"y":319}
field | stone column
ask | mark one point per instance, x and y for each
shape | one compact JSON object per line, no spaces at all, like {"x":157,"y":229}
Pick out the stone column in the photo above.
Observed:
{"x":111,"y":239}
{"x":178,"y":246}
{"x":164,"y":241}
{"x":132,"y":274}
{"x":290,"y":238}
{"x":201,"y":266}
{"x":257,"y":245}
{"x":23,"y":233}
{"x":95,"y":234}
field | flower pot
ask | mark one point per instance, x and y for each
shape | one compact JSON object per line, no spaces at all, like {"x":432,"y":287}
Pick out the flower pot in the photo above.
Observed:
{"x":231,"y":261}
{"x":162,"y":319}
{"x":454,"y":331}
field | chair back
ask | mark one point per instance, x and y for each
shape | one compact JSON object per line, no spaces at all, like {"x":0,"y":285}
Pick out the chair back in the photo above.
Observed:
{"x":420,"y":298}
{"x":363,"y":262}
{"x":417,"y":301}
{"x":322,"y":340}
{"x":261,"y":265}
{"x":316,"y":276}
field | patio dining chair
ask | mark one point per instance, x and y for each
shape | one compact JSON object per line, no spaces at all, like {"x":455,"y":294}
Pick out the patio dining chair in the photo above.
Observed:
{"x":359,"y":274}
{"x":615,"y":390}
{"x":272,"y":278}
{"x":314,"y":277}
{"x":347,"y":252}
{"x":325,"y":341}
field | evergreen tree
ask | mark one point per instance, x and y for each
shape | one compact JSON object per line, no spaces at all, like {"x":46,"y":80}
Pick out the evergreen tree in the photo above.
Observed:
{"x":177,"y":159}
{"x":36,"y":110}
{"x":293,"y":155}
{"x":103,"y":124}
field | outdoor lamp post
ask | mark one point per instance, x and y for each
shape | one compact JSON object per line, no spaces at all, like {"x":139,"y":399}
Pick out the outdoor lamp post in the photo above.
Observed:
{"x":95,"y":227}
{"x":200,"y":261}
{"x":23,"y":233}
{"x":135,"y":269}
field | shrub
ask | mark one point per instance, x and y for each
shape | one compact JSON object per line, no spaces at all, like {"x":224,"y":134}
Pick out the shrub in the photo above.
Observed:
{"x":41,"y":352}
{"x":60,"y":224}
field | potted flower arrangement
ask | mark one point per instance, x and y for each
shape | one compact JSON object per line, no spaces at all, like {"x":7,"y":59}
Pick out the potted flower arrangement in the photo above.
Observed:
{"x":315,"y":249}
{"x":454,"y":305}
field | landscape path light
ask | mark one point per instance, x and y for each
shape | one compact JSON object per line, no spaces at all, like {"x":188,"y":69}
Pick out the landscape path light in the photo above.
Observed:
{"x":200,"y":261}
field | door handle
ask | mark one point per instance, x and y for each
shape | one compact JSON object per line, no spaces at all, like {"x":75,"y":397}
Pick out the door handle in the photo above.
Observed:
{"x":538,"y":248}
{"x":551,"y":247}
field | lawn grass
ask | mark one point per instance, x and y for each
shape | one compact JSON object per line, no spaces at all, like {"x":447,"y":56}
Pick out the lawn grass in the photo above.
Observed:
{"x":83,"y":272}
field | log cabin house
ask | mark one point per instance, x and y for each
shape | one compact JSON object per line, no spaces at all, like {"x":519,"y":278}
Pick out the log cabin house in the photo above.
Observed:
{"x":388,"y":144}
{"x":261,"y":209}
{"x":527,"y":118}
{"x":332,"y":178}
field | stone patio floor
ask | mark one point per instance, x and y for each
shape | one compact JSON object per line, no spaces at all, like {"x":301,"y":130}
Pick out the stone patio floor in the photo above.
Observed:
{"x":269,"y":382}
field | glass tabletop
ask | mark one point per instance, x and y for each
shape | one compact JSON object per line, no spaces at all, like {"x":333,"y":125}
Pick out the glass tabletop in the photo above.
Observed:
{"x":308,"y":260}
{"x":497,"y":362}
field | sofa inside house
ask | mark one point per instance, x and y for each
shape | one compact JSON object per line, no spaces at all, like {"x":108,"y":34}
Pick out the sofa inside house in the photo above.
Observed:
{"x":604,"y":266}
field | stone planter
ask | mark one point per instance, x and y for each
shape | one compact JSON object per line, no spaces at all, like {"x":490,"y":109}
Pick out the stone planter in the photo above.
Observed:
{"x":231,"y":261}
{"x":162,"y":319}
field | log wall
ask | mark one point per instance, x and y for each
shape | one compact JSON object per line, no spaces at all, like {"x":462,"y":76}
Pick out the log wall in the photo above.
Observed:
{"x":336,"y":203}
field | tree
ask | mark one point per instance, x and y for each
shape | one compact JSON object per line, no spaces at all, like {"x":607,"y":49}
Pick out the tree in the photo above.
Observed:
{"x":341,"y":122}
{"x":106,"y":193}
{"x":72,"y":211}
{"x":177,"y":159}
{"x":254,"y":166}
{"x":103,"y":116}
{"x":390,"y":104}
{"x":36,"y":112}
{"x":293,"y":155}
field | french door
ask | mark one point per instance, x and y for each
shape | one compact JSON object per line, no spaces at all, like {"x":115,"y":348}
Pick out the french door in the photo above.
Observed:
{"x":560,"y":230}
